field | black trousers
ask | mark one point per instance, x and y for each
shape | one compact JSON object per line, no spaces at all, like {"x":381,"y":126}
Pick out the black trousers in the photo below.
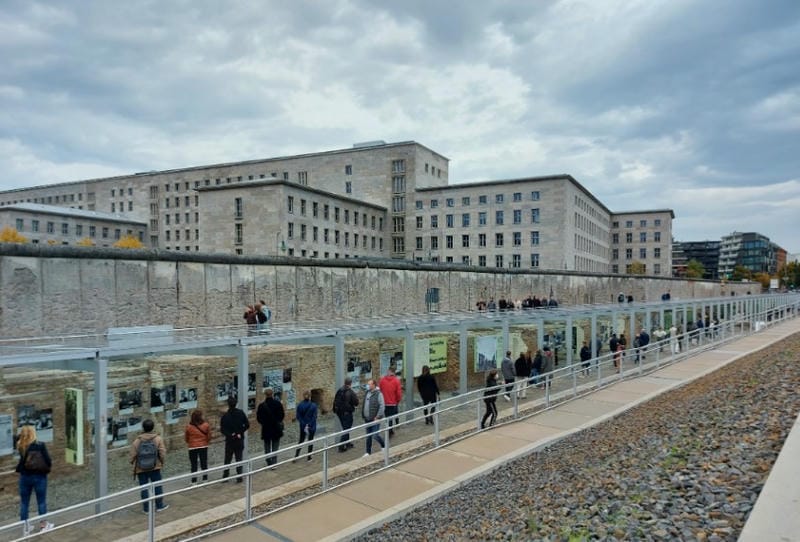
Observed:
{"x":199,"y":455}
{"x":271,"y":446}
{"x":427,"y":401}
{"x":389,"y":411}
{"x":302,"y":439}
{"x":346,"y":419}
{"x":491,"y":411}
{"x":233,"y":448}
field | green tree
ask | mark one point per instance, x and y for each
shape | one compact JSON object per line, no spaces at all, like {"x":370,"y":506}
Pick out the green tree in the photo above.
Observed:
{"x":740,"y":272}
{"x":11,"y":235}
{"x":636,"y":268}
{"x":695,"y":269}
{"x":790,"y":275}
{"x":763,"y":278}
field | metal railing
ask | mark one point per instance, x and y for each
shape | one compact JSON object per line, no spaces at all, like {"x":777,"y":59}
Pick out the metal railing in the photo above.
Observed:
{"x":452,"y":420}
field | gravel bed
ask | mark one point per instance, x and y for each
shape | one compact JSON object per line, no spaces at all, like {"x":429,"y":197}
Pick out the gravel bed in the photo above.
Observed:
{"x":687,"y":465}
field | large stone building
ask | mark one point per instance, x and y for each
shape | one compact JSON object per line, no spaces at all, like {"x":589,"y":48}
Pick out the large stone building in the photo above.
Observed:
{"x":66,"y":226}
{"x":378,"y":200}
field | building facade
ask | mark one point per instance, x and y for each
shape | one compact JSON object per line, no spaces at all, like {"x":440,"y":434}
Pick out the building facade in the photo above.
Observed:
{"x":65,"y":226}
{"x":642,"y":238}
{"x":393,"y":200}
{"x":705,"y":252}
{"x":750,"y":250}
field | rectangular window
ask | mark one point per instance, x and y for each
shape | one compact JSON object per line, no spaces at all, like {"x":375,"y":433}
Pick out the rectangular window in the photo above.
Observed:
{"x":642,"y":236}
{"x":303,"y":232}
{"x":355,"y":218}
{"x":535,"y":216}
{"x":517,"y":216}
{"x":450,"y":202}
{"x":285,"y":175}
{"x":657,"y":222}
{"x":517,"y":236}
{"x":434,"y":243}
{"x":336,"y":214}
{"x":657,"y":269}
{"x":450,"y":221}
{"x":177,"y":218}
{"x":419,"y":204}
{"x":628,"y":253}
{"x":657,"y":236}
{"x":498,"y":239}
{"x":483,"y":200}
{"x":302,"y":177}
{"x":326,"y":212}
{"x":315,"y":234}
{"x":643,"y":223}
{"x":177,"y":201}
{"x":64,"y":228}
{"x":315,"y":209}
{"x":78,"y":230}
{"x":238,"y":208}
{"x":398,"y":204}
{"x":481,"y":261}
{"x":481,"y":239}
{"x":517,"y":196}
{"x":336,"y":236}
{"x":498,"y":218}
{"x":130,"y":206}
{"x":290,"y":232}
{"x":465,"y":220}
{"x":398,"y":166}
{"x":629,"y":223}
{"x":615,"y":254}
{"x":117,"y":234}
{"x":167,"y":219}
{"x":643,"y":253}
{"x":348,"y":187}
{"x":498,"y":261}
{"x":434,"y":221}
{"x":498,"y":198}
{"x":51,"y":227}
{"x":326,"y":235}
{"x":20,"y":224}
{"x":465,"y":201}
{"x":290,"y":204}
{"x":434,"y":203}
{"x":92,"y":231}
{"x":113,"y":207}
{"x":448,"y":241}
{"x":34,"y":225}
{"x":534,"y":238}
{"x":629,"y":237}
{"x":615,"y":269}
{"x":465,"y":241}
{"x":615,"y":238}
{"x":516,"y":261}
{"x":534,"y":260}
{"x":482,"y":218}
{"x":535,"y":195}
{"x":105,"y":233}
{"x":399,"y":184}
{"x":238,"y":231}
{"x":419,"y":243}
{"x":348,"y":169}
{"x":656,"y":253}
{"x":419,"y":222}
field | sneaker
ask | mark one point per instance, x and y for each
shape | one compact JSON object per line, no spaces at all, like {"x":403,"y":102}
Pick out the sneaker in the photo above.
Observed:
{"x":27,"y":529}
{"x":162,"y":508}
{"x":308,"y":458}
{"x":507,"y":398}
{"x":365,"y":455}
{"x":47,"y":526}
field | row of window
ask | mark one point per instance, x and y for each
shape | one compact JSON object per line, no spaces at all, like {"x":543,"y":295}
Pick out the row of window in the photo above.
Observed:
{"x":482,"y":200}
{"x":591,"y":210}
{"x":176,"y":235}
{"x":302,"y":178}
{"x":629,"y":253}
{"x":121,"y":192}
{"x":187,"y":202}
{"x":656,"y":269}
{"x":499,"y":240}
{"x":499,"y":219}
{"x":642,"y":237}
{"x":375,"y":243}
{"x":121,"y":206}
{"x":437,"y":172}
{"x":371,"y":221}
{"x":642,"y":223}
{"x":66,"y":198}
{"x":177,"y":218}
{"x":79,"y":231}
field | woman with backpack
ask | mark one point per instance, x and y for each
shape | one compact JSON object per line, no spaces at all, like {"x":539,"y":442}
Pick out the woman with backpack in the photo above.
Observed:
{"x":198,"y":436}
{"x":33,"y":466}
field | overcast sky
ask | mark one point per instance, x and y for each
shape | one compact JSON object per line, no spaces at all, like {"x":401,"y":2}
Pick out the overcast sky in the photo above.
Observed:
{"x":689,"y":105}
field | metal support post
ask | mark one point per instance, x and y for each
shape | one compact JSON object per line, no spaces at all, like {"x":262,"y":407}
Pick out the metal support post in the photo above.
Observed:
{"x":462,"y":358}
{"x":340,"y":365}
{"x":242,"y":368}
{"x":408,"y":371}
{"x":100,"y":432}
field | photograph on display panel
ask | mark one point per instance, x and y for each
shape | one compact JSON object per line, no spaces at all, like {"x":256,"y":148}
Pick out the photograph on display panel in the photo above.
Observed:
{"x":487,"y":352}
{"x":128,"y":400}
{"x":187,"y":398}
{"x":273,"y":378}
{"x":6,"y":435}
{"x":40,"y":419}
{"x":73,"y":426}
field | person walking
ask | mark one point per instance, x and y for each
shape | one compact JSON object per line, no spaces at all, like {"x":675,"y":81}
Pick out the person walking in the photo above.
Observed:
{"x":344,"y":405}
{"x":536,"y":367}
{"x":507,"y":367}
{"x":644,"y":340}
{"x":547,"y":365}
{"x":270,"y":415}
{"x":522,"y":370}
{"x":148,"y":455}
{"x":490,"y":399}
{"x":234,"y":425}
{"x":586,"y":356}
{"x":392,"y":393}
{"x":33,"y":466}
{"x":306,"y":414}
{"x":198,"y":436}
{"x":429,"y":391}
{"x":373,"y":410}
{"x":674,"y":346}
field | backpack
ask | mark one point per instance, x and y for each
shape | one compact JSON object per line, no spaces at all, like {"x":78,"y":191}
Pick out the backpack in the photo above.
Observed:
{"x":147,"y":455}
{"x":340,"y":401}
{"x":261,"y":317}
{"x":35,"y":462}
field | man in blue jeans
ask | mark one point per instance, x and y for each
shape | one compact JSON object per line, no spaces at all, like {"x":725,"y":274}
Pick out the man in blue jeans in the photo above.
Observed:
{"x":147,"y":465}
{"x":373,"y":411}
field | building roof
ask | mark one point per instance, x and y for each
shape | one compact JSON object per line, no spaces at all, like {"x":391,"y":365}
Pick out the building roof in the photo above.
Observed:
{"x":358,"y":147}
{"x":69,"y":211}
{"x":557,"y":177}
{"x":646,"y":211}
{"x":244,"y":185}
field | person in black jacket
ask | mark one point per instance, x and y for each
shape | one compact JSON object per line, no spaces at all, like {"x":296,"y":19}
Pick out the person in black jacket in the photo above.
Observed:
{"x":429,"y":391}
{"x":32,"y":476}
{"x":490,"y":398}
{"x":234,"y":425}
{"x":522,"y":370}
{"x":586,"y":356}
{"x":270,"y":416}
{"x":344,"y":404}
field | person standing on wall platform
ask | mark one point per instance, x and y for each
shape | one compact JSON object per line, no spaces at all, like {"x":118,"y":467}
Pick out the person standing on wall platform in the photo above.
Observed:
{"x":429,"y":391}
{"x":234,"y":425}
{"x":33,"y":466}
{"x":306,"y":414}
{"x":392,"y":393}
{"x":270,"y":416}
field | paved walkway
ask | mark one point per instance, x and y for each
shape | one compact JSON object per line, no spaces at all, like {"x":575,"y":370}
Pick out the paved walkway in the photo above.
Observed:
{"x":356,"y":507}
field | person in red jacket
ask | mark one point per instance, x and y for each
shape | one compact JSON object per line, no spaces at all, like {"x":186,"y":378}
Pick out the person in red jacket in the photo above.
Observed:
{"x":392,"y":393}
